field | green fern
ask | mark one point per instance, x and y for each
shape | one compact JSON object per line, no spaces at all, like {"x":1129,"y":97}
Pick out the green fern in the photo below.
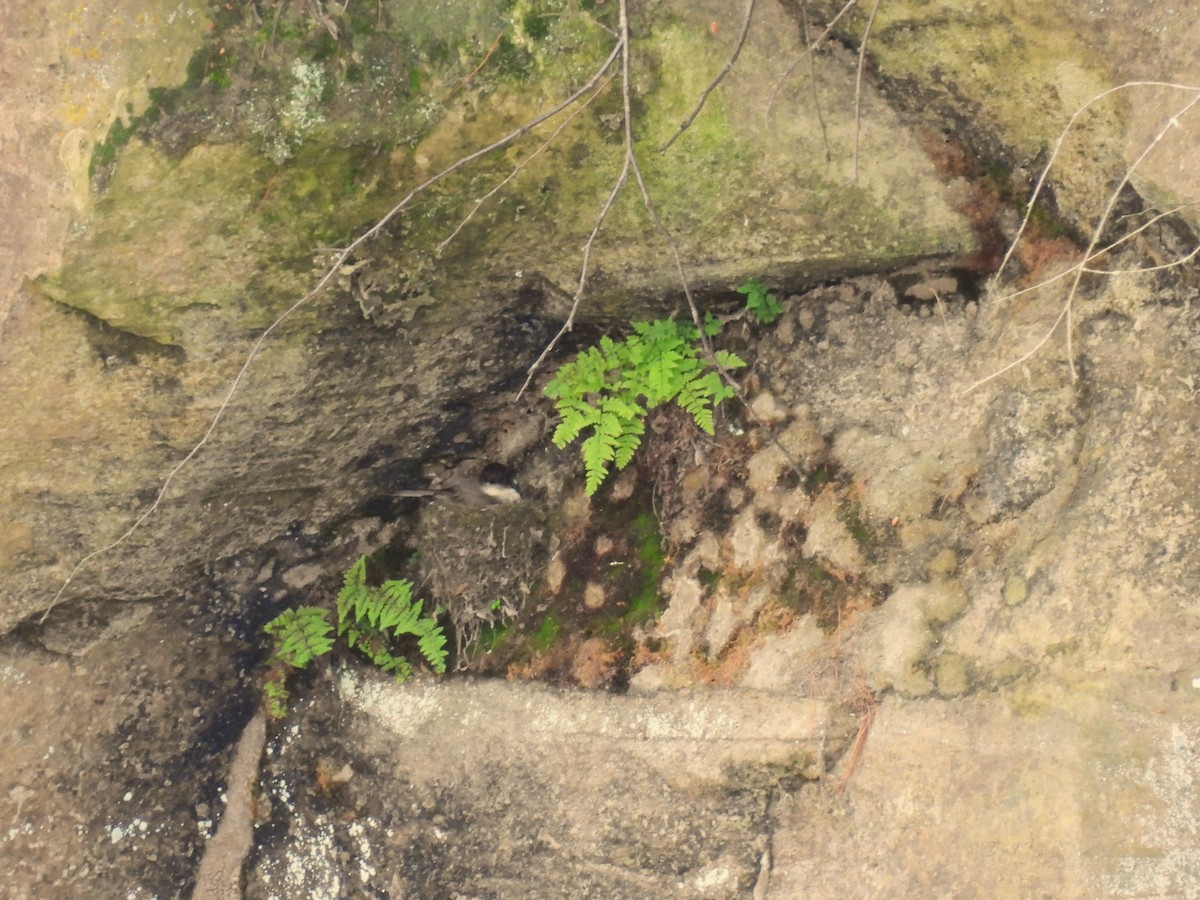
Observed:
{"x":275,"y":695}
{"x":371,"y":617}
{"x":605,"y":393}
{"x":762,"y":306}
{"x":301,"y":635}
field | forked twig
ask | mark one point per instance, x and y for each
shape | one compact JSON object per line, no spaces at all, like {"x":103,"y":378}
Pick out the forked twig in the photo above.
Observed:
{"x":630,"y":165}
{"x":862,"y":61}
{"x":1066,"y":273}
{"x":1058,"y":144}
{"x":483,"y":62}
{"x":811,"y":47}
{"x":569,"y":324}
{"x":810,"y":53}
{"x":737,"y":51}
{"x":1067,"y":311}
{"x":522,"y":164}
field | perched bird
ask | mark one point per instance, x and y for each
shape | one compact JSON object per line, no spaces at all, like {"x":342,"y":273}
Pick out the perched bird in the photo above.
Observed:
{"x":493,"y":485}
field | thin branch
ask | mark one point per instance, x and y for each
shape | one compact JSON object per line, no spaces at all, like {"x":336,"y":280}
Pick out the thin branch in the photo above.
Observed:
{"x":1143,"y":269}
{"x":1067,"y":312}
{"x":569,"y":324}
{"x":829,"y":26}
{"x":1058,"y":144}
{"x":697,"y":319}
{"x":475,"y":71}
{"x":522,"y":164}
{"x":329,"y":275}
{"x":862,"y":60}
{"x":1066,"y":273}
{"x":810,"y":49}
{"x":737,"y":50}
{"x":810,"y":53}
{"x":629,"y":165}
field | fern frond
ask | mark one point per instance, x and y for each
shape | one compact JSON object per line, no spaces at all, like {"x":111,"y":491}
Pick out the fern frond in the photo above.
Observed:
{"x":598,"y":451}
{"x":574,"y":420}
{"x":275,"y":693}
{"x":663,"y":377}
{"x":432,"y":644}
{"x":396,"y":666}
{"x":401,"y":614}
{"x":627,"y":443}
{"x":356,"y":575}
{"x":354,"y":595}
{"x":603,"y":395}
{"x":300,"y":634}
{"x":729,"y":360}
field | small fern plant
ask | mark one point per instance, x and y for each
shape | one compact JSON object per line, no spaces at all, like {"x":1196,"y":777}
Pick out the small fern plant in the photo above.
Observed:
{"x":759,"y":303}
{"x":370,"y":618}
{"x":605,"y":393}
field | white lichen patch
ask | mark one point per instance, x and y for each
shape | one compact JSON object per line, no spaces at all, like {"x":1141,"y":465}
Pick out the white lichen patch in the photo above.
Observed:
{"x":303,"y":110}
{"x":301,"y":113}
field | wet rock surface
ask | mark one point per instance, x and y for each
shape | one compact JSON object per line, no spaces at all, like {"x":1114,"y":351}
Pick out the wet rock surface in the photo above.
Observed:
{"x":892,"y":620}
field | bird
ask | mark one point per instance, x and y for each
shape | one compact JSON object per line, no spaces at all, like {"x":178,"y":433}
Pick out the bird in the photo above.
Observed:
{"x":493,"y":485}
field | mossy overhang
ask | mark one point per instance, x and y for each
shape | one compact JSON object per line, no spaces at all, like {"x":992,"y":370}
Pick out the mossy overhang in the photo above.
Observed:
{"x":213,"y":234}
{"x":1006,"y":77}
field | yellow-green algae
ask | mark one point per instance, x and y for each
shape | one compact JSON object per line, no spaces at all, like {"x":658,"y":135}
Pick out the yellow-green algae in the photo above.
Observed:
{"x":1019,"y":70}
{"x":236,"y":227}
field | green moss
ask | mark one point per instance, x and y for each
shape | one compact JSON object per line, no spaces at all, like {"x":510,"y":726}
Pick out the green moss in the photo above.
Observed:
{"x":241,"y":234}
{"x":513,"y":60}
{"x":852,"y":516}
{"x":220,"y":230}
{"x":647,"y":602}
{"x":105,"y":153}
{"x":708,"y":578}
{"x":492,"y":636}
{"x":536,"y":25}
{"x":817,"y":479}
{"x":547,"y":632}
{"x":324,"y":46}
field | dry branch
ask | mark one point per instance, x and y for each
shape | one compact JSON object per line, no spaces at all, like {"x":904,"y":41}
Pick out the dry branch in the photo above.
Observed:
{"x":737,"y":51}
{"x":1092,"y":252}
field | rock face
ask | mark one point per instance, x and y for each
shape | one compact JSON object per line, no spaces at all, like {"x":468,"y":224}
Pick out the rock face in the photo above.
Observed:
{"x":219,"y":212}
{"x":930,"y":600}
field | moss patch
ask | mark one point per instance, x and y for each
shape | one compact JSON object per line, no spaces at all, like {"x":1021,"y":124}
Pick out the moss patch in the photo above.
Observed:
{"x":287,"y":140}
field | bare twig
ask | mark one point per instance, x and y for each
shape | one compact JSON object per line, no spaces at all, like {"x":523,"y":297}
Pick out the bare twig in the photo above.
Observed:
{"x":737,"y":50}
{"x":809,"y":49}
{"x":1066,"y":273}
{"x":862,"y":61}
{"x":1058,"y":145}
{"x":475,"y":71}
{"x":324,"y":281}
{"x":523,"y":163}
{"x":870,"y":708}
{"x":810,"y":53}
{"x":569,"y":324}
{"x":829,"y":25}
{"x":314,"y":8}
{"x":1066,"y":312}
